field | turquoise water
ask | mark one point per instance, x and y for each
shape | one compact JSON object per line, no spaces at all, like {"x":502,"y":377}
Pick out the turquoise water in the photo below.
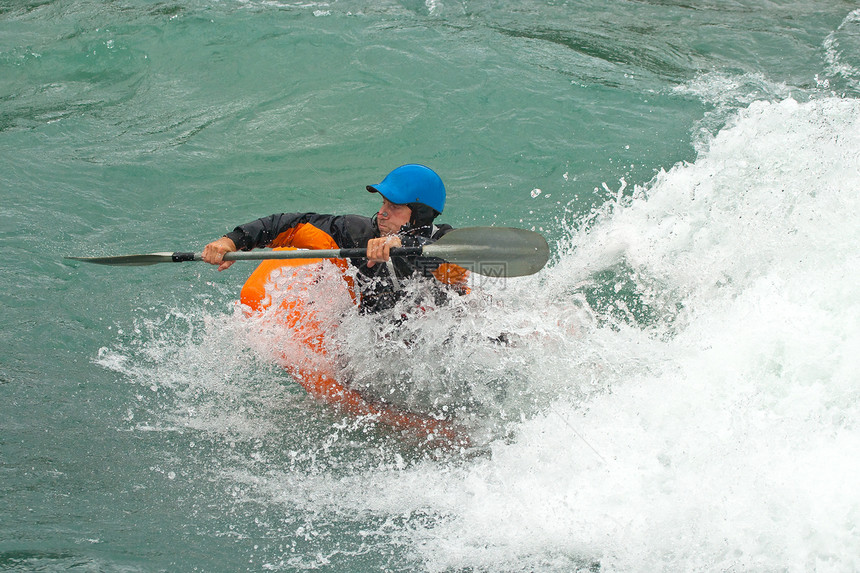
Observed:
{"x":683,"y":393}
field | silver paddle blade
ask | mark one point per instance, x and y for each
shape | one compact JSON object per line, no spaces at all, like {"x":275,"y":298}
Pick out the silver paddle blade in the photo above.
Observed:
{"x":493,"y":251}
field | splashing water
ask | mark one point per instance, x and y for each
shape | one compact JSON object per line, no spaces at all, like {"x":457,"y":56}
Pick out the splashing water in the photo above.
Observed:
{"x":728,"y":436}
{"x":677,"y":391}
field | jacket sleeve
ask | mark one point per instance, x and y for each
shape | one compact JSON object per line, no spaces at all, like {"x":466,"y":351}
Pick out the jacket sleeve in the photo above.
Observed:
{"x":303,"y":230}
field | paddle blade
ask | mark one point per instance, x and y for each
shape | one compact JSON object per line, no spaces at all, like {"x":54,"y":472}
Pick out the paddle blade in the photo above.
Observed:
{"x":128,"y":260}
{"x":493,"y":251}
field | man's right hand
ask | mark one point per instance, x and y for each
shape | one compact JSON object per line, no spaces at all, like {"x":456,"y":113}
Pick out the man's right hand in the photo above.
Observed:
{"x":379,"y":250}
{"x":214,"y":252}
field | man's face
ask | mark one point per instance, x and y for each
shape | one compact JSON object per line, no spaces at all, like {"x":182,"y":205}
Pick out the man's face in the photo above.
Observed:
{"x":391,"y":217}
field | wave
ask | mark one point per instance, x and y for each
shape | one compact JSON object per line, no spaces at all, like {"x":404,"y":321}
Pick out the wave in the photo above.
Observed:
{"x":681,"y":394}
{"x":727,"y":436}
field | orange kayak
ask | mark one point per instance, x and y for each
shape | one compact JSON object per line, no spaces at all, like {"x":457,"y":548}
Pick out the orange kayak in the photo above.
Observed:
{"x":293,"y":300}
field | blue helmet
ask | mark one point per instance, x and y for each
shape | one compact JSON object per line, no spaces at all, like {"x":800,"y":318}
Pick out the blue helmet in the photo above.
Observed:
{"x":412,"y":183}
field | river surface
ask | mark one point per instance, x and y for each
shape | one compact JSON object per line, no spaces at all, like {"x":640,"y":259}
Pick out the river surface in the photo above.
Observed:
{"x":681,"y":388}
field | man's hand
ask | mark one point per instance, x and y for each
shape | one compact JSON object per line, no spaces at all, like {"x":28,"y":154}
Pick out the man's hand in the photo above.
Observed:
{"x":379,"y":250}
{"x":214,"y":252}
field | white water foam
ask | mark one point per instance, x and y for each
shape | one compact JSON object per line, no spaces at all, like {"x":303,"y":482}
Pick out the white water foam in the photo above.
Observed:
{"x":194,"y":371}
{"x":723,"y":437}
{"x":842,"y":50}
{"x":682,"y":395}
{"x":728,"y":442}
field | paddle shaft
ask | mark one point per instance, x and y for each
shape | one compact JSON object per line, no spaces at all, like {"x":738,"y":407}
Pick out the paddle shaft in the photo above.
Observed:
{"x":299,"y":254}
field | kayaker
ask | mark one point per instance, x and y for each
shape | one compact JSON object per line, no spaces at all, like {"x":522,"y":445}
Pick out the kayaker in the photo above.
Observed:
{"x":412,"y":197}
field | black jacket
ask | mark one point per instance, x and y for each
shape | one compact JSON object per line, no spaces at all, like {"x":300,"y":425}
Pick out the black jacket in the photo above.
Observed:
{"x":377,"y":289}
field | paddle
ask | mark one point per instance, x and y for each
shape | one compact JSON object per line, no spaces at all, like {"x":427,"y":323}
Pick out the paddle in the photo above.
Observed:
{"x":489,"y":251}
